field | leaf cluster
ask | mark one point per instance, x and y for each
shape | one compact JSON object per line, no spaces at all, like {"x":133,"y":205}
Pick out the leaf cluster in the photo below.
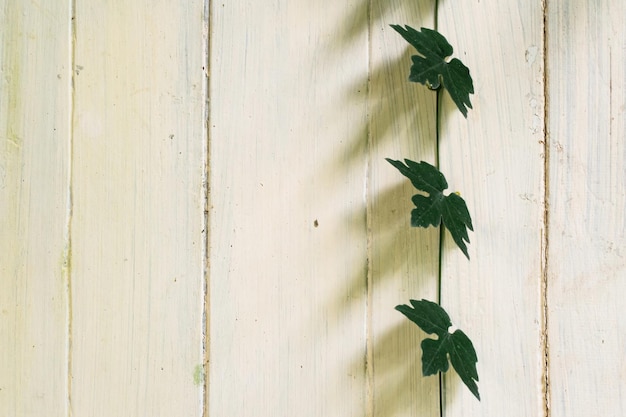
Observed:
{"x":435,"y":207}
{"x":456,"y":346}
{"x":431,"y":68}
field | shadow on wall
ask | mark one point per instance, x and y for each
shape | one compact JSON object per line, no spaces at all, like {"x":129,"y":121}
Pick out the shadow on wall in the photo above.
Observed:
{"x":403,"y":261}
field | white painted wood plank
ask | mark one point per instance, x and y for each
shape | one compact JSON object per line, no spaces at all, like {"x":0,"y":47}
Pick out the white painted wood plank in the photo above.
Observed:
{"x":587,"y":332}
{"x":34,"y":127}
{"x":404,"y":262}
{"x":494,"y":158}
{"x":288,"y":259}
{"x":137,"y":231}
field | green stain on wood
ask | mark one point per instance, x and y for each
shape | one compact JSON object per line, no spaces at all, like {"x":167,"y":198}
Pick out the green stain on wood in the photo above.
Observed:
{"x":198,"y":375}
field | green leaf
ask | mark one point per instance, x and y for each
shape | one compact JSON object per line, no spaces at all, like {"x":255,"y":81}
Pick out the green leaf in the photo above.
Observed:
{"x":436,"y":207}
{"x":431,"y":318}
{"x":432,"y":69}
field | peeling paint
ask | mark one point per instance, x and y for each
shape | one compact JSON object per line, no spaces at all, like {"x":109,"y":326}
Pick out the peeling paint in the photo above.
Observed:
{"x":531,"y":54}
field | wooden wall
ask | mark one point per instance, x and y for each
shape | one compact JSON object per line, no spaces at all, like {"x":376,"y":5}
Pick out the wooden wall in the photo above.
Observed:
{"x":196,"y":218}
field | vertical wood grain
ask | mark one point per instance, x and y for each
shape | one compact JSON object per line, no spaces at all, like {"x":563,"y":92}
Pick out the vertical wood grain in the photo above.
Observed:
{"x":495,"y":159}
{"x":309,"y":244}
{"x":288,"y":259}
{"x":587,"y":270}
{"x":34,"y":126}
{"x":404,"y":261}
{"x":137,"y":229}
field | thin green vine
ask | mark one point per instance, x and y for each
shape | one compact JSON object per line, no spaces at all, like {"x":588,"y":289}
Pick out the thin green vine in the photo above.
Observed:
{"x":432,"y":69}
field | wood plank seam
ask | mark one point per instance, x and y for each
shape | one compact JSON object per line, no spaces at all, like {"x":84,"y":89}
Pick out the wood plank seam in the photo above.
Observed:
{"x":68,"y":225}
{"x":369,"y":278}
{"x":206,"y":44}
{"x":546,"y":213}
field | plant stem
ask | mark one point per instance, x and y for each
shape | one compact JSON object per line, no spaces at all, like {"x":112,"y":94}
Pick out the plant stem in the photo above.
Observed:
{"x":437,"y":161}
{"x":441,"y":237}
{"x":441,"y":229}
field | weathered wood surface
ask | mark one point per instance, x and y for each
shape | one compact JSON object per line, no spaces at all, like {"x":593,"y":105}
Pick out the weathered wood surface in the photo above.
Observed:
{"x":587,"y":210}
{"x":138,"y":227}
{"x":495,"y":159}
{"x":113,"y":298}
{"x":288,"y":233}
{"x":34,"y":176}
{"x":404,"y":262}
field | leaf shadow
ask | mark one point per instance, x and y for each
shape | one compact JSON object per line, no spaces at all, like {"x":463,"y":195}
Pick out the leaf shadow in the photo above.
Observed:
{"x":403,"y":265}
{"x":384,"y":11}
{"x":398,"y":250}
{"x":400,"y":387}
{"x":402,"y":261}
{"x":446,"y":108}
{"x":452,"y":386}
{"x":400,"y":110}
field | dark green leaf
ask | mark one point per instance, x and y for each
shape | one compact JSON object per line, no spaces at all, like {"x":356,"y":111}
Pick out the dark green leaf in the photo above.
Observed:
{"x":463,"y":358}
{"x":430,"y":210}
{"x":432,"y":69}
{"x":434,"y":357}
{"x":430,"y":318}
{"x":433,"y":319}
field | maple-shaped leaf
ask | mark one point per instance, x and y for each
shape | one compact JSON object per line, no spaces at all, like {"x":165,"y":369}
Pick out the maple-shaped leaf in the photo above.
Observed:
{"x":432,"y":69}
{"x":431,"y":318}
{"x":432,"y":209}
